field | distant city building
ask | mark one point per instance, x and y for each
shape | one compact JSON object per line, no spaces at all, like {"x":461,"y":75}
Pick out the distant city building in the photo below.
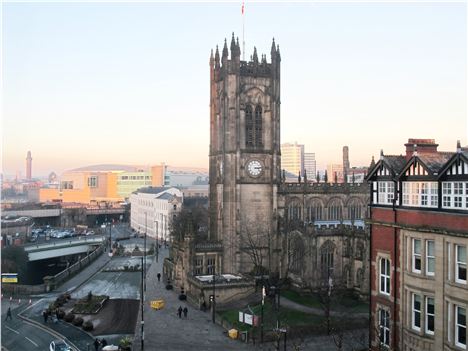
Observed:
{"x":292,"y":158}
{"x":109,"y":183}
{"x":335,"y":173}
{"x":419,"y":236}
{"x":357,"y":174}
{"x":29,"y":166}
{"x":152,"y":210}
{"x":345,"y":161}
{"x":52,"y":178}
{"x":310,"y":165}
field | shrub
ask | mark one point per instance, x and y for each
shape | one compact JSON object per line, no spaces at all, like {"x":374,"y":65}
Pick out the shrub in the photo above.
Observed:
{"x":88,"y":326}
{"x":60,"y":314}
{"x":69,"y":317}
{"x":78,"y":321}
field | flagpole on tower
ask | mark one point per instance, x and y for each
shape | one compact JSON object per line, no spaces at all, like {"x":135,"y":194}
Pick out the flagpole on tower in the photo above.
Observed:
{"x":243,"y":30}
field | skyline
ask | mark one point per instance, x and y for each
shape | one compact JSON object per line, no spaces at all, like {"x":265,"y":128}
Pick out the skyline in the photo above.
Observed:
{"x":92,"y":83}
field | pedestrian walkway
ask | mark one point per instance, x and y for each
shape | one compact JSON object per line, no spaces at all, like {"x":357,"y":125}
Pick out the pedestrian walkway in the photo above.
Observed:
{"x":164,"y":330}
{"x":85,"y":274}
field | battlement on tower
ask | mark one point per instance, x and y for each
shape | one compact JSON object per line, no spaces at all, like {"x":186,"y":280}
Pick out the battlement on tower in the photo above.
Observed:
{"x":323,"y":188}
{"x":254,"y":67}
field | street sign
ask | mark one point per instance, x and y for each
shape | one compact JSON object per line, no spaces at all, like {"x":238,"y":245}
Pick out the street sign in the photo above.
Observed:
{"x":246,"y":318}
{"x":9,"y":277}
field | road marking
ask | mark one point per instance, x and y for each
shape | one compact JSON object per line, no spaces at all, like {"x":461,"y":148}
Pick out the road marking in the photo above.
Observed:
{"x":32,"y":341}
{"x":14,"y":331}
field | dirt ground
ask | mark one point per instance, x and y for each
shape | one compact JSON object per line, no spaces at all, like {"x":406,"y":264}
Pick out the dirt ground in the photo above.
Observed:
{"x":118,"y":316}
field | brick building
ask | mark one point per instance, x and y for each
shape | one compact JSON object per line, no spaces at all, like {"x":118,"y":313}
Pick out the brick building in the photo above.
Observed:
{"x":419,"y":239}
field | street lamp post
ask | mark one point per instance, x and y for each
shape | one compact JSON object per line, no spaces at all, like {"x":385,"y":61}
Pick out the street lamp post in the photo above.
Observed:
{"x":213,"y":309}
{"x":144,"y":251}
{"x":261,"y":317}
{"x":157,"y":241}
{"x":110,"y":237}
{"x":142,"y":303}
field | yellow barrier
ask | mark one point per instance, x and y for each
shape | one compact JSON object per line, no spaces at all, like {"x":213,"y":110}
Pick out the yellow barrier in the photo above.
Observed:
{"x":157,"y":304}
{"x":233,"y":333}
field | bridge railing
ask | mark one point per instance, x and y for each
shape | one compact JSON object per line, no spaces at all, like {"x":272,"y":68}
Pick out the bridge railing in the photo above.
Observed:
{"x":61,"y":242}
{"x":52,"y":282}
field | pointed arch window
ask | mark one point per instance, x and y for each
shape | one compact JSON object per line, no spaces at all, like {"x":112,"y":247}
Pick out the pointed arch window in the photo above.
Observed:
{"x":258,"y":126}
{"x":249,"y":127}
{"x":253,"y":126}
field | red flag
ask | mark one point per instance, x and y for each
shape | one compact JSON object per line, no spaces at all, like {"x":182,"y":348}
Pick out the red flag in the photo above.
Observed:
{"x":242,"y":7}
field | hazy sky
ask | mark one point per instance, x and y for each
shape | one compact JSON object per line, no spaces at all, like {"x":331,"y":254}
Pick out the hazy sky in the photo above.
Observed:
{"x":90,"y":83}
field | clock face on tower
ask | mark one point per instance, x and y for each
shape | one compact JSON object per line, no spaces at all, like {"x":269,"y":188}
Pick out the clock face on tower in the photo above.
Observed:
{"x":254,"y":168}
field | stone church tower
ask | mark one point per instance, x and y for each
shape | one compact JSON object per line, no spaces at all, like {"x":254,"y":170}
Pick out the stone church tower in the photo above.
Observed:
{"x":244,"y":155}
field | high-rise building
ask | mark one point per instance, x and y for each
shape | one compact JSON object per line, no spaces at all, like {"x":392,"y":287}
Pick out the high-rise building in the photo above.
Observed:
{"x":292,"y":158}
{"x":29,"y":166}
{"x":345,"y":161}
{"x":310,"y":165}
{"x":335,"y":173}
{"x":419,"y":236}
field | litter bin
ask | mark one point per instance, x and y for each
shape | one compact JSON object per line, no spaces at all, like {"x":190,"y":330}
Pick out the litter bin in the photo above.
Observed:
{"x":233,"y":333}
{"x":244,"y":336}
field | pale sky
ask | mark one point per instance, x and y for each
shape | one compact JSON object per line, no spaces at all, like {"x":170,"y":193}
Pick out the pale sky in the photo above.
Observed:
{"x":91,"y":83}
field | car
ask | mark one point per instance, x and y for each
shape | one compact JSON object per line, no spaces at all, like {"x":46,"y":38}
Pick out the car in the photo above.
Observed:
{"x":90,"y":233}
{"x":59,"y":345}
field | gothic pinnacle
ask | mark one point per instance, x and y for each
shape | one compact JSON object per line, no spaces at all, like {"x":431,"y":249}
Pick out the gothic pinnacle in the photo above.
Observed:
{"x":255,"y":56}
{"x":225,"y":49}
{"x":273,"y":47}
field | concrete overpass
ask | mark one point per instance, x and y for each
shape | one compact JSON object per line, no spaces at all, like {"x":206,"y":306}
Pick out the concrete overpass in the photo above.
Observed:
{"x":63,"y":247}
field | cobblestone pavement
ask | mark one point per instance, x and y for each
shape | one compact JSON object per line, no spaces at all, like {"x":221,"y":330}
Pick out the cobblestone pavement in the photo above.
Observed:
{"x":164,"y":330}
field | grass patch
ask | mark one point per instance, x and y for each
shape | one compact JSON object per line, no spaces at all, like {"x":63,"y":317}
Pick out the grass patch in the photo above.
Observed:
{"x":345,"y":303}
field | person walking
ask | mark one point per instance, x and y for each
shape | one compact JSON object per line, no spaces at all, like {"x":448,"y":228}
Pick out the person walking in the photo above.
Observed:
{"x":159,"y":277}
{"x":45,"y":315}
{"x":96,"y":344}
{"x":179,"y":311}
{"x":8,"y":314}
{"x":103,"y":342}
{"x":185,"y":311}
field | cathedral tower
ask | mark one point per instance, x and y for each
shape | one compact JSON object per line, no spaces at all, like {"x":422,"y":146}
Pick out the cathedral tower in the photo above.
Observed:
{"x":244,"y":154}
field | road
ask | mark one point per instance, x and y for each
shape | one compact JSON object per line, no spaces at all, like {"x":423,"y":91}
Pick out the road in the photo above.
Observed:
{"x":19,"y":335}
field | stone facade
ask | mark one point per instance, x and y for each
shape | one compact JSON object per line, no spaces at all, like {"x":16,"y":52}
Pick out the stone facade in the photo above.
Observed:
{"x":258,"y":223}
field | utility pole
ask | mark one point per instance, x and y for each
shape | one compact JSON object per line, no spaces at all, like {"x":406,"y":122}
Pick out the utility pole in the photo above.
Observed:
{"x":261,"y":317}
{"x":214,"y":294}
{"x":144,"y":251}
{"x":157,"y":242}
{"x":142,"y":298}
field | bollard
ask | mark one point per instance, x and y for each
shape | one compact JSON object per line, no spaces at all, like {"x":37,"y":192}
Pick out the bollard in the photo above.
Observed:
{"x":19,"y":301}
{"x":29,"y":301}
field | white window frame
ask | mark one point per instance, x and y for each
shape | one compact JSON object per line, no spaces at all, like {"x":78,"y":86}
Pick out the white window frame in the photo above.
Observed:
{"x":384,"y":328}
{"x":385,"y":275}
{"x":455,"y":195}
{"x":386,"y":192}
{"x":428,"y":315}
{"x":463,"y":346}
{"x":459,"y":264}
{"x":430,"y":257}
{"x":414,"y":311}
{"x":415,"y":255}
{"x":415,"y":192}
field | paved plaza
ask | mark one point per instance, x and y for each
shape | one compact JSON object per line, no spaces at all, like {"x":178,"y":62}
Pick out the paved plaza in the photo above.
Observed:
{"x":164,"y":330}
